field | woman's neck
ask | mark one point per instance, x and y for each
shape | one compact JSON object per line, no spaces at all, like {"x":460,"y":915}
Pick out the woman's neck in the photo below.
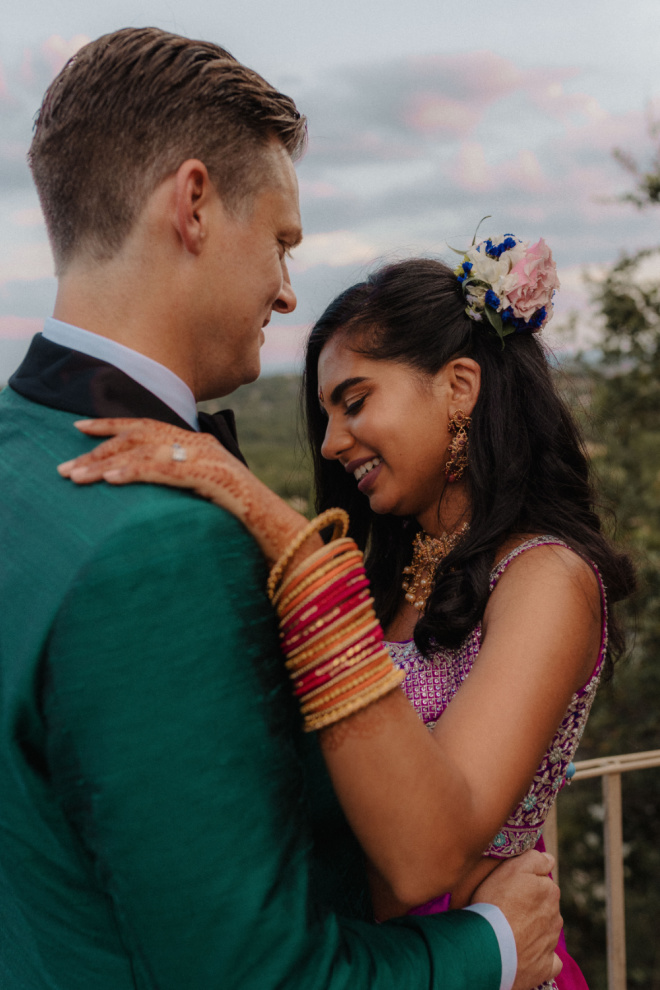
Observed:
{"x":448,"y":514}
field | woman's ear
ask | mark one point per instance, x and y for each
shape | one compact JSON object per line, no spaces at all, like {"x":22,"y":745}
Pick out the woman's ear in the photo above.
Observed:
{"x":464,"y":383}
{"x":193,"y":193}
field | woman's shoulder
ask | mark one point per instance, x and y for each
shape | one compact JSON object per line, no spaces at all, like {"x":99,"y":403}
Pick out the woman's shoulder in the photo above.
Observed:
{"x":534,"y":557}
{"x":547,"y":596}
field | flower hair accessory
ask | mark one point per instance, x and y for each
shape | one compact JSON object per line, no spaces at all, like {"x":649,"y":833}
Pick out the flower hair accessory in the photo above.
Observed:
{"x":509,"y":284}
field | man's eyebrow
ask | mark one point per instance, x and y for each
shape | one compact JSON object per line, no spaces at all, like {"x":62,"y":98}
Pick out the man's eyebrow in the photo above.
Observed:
{"x":338,"y":390}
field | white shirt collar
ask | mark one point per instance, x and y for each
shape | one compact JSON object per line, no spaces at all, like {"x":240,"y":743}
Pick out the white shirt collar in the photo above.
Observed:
{"x":155,"y":377}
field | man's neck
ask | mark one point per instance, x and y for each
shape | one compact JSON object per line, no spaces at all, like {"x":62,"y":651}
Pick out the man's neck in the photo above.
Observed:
{"x":152,"y":375}
{"x":133,"y":299}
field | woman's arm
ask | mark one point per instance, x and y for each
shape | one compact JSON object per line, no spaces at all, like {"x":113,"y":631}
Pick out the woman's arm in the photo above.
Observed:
{"x":449,"y":795}
{"x":423,"y":805}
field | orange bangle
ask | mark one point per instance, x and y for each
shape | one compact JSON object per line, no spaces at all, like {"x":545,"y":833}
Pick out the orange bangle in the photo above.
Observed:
{"x":337,"y":516}
{"x":322,"y":720}
{"x":315,"y":583}
{"x":318,"y":559}
{"x":331,"y":633}
{"x":362,"y":679}
{"x":349,"y":661}
{"x":310,"y":604}
{"x":340,"y":662}
{"x":341,"y":681}
{"x":291,"y":590}
{"x":361,"y":683}
{"x":357,"y":640}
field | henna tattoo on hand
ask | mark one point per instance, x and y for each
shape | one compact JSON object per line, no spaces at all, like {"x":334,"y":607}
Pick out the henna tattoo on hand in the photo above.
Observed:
{"x":141,"y":450}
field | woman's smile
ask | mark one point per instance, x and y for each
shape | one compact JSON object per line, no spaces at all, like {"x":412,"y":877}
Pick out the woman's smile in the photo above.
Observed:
{"x":387,"y":426}
{"x":367,"y":474}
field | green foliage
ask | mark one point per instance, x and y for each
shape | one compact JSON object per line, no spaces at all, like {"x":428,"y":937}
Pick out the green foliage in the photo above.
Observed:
{"x":647,"y":180}
{"x":622,"y":424}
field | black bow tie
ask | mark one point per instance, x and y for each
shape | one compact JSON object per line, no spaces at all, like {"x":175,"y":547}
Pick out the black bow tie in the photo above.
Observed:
{"x":222,"y":425}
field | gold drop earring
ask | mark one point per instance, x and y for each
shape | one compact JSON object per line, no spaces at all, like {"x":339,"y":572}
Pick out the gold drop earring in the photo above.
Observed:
{"x":459,"y":426}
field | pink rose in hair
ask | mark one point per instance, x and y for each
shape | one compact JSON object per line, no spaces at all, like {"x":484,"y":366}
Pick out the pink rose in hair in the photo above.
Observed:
{"x":536,"y":280}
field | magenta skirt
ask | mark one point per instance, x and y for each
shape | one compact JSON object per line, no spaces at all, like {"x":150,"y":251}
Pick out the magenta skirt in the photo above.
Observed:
{"x":570,"y":978}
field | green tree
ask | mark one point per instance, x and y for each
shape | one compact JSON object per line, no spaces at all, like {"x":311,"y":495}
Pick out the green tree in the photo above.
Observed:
{"x":622,"y":423}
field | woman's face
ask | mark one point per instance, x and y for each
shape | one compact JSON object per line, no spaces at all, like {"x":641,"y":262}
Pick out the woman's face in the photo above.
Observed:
{"x":387,"y":425}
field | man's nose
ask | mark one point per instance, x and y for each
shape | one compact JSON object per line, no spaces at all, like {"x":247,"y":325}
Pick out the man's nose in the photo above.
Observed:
{"x":286,"y":300}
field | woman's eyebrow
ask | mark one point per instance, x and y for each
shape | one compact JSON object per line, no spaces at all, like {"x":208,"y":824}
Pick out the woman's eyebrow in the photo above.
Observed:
{"x":338,"y":391}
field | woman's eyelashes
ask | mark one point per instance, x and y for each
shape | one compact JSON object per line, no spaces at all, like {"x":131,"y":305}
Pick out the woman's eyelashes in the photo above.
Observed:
{"x":354,"y":407}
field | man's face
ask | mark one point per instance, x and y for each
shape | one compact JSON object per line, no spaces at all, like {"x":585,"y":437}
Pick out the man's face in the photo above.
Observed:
{"x":245,"y":278}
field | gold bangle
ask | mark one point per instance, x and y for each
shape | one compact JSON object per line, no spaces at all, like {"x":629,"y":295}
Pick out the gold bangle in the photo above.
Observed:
{"x":337,"y":516}
{"x":341,"y":660}
{"x":354,"y":659}
{"x":339,"y":664}
{"x":321,"y":720}
{"x":346,"y":678}
{"x":300,"y":610}
{"x":335,"y":631}
{"x":326,"y":554}
{"x":359,"y":633}
{"x":328,"y":622}
{"x":291,"y":591}
{"x":325,"y":619}
{"x":319,"y":581}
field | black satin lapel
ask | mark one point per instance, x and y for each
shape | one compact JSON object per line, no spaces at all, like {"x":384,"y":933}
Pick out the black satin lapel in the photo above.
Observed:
{"x":63,"y":379}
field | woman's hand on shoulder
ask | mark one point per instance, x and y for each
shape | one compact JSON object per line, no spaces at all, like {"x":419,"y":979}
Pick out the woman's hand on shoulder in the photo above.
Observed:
{"x":144,"y":450}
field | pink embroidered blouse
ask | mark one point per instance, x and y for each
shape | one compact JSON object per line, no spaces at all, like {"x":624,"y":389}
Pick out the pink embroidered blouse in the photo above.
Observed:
{"x":432,"y":682}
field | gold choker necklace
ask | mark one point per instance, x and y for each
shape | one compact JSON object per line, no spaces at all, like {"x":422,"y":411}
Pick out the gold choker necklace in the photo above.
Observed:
{"x":428,"y":551}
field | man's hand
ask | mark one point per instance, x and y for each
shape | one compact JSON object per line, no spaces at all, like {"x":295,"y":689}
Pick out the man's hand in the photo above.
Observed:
{"x":529,"y":900}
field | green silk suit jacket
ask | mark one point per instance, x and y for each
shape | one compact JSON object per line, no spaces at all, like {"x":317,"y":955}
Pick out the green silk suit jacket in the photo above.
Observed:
{"x":164,"y":823}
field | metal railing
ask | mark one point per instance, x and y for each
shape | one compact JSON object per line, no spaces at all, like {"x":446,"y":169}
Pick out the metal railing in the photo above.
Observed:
{"x":610,"y":769}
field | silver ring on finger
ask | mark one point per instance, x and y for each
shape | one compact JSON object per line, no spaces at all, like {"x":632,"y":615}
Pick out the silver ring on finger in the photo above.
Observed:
{"x":178,"y":452}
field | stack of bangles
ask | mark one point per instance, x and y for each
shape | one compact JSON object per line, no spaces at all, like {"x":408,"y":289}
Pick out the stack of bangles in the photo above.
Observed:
{"x":331,"y":638}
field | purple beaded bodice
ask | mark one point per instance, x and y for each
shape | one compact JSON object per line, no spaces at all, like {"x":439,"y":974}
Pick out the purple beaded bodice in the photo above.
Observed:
{"x":431,"y":683}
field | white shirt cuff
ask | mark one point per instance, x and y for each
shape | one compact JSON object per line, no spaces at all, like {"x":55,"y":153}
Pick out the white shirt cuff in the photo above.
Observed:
{"x":506,"y":941}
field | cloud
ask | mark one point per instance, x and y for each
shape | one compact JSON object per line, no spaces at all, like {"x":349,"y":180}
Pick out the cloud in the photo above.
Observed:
{"x":19,"y":327}
{"x":405,"y":155}
{"x":283,"y":348}
{"x":432,"y":113}
{"x":416,"y":150}
{"x":4,"y":92}
{"x":26,"y":262}
{"x":57,"y":50}
{"x":472,"y":171}
{"x":335,"y":248}
{"x":30,"y":216}
{"x":22,"y":85}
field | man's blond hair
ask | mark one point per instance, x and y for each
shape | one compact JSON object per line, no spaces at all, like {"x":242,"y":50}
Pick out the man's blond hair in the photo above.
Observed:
{"x":126,"y":111}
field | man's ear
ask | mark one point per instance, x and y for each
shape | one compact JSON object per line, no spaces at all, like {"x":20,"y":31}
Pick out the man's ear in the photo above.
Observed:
{"x":194,"y":192}
{"x":465,"y":383}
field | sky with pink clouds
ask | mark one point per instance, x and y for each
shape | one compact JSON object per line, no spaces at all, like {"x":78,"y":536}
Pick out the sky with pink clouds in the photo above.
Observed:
{"x":424,"y":116}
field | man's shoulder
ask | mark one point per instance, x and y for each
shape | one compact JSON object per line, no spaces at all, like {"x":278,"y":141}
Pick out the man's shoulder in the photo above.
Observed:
{"x":37,"y":502}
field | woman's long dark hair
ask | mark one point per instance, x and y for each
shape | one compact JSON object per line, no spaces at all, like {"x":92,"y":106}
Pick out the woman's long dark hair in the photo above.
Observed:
{"x":527,"y":472}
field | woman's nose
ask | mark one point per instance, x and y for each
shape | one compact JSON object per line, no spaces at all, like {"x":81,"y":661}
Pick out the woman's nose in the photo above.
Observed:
{"x":335,"y":442}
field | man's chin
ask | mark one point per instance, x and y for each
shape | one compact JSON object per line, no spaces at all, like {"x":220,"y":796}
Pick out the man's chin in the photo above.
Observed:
{"x":230,"y":382}
{"x":253,"y":373}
